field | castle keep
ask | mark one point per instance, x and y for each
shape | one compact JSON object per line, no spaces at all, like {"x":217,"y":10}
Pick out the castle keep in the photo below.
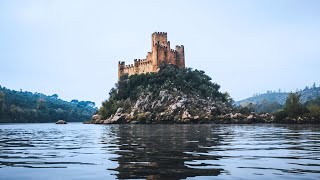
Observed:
{"x":160,"y":53}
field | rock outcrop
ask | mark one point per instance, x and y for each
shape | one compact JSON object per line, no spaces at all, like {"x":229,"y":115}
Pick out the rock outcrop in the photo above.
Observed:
{"x":177,"y":107}
{"x":166,"y":107}
{"x":61,"y":122}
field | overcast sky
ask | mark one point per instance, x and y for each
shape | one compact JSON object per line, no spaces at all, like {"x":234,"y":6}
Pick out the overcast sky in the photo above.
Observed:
{"x":72,"y":47}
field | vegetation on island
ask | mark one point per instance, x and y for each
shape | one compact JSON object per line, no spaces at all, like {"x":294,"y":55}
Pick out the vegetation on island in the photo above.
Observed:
{"x":173,"y":94}
{"x":27,"y":107}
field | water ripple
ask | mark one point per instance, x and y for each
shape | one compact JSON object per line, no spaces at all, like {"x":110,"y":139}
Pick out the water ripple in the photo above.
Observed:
{"x":159,"y":151}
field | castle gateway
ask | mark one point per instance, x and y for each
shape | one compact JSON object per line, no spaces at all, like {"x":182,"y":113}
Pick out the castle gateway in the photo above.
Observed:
{"x":160,"y":53}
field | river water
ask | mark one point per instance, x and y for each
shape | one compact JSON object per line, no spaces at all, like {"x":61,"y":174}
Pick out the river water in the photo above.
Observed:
{"x":79,"y":151}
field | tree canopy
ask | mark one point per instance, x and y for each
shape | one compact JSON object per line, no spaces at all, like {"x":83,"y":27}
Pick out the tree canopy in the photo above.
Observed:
{"x":19,"y":106}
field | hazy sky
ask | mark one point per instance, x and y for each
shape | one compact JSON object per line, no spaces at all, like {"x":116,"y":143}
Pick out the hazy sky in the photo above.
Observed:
{"x":72,"y":47}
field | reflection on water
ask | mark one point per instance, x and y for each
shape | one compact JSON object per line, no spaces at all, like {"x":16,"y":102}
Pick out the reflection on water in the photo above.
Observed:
{"x":163,"y":151}
{"x":77,"y":151}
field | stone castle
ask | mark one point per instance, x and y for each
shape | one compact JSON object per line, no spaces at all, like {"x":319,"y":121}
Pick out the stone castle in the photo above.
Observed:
{"x":160,"y":53}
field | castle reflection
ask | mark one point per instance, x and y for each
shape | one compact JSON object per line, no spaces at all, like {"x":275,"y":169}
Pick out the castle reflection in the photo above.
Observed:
{"x":165,"y":151}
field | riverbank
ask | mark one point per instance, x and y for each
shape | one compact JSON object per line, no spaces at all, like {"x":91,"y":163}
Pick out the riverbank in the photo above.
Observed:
{"x":231,"y":118}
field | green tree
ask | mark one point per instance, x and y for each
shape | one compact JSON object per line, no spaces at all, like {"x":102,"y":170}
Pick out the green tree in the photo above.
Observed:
{"x":293,"y":106}
{"x":55,"y":96}
{"x":228,"y":98}
{"x":74,"y":101}
{"x":41,"y":104}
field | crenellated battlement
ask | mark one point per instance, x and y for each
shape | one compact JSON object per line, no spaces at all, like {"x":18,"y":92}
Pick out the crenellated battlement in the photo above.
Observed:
{"x":141,"y":61}
{"x":160,"y":53}
{"x":160,"y":33}
{"x":129,"y":66}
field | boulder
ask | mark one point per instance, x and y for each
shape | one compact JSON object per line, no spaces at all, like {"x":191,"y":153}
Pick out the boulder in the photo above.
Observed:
{"x":119,"y":110}
{"x":61,"y":122}
{"x":96,"y":117}
{"x":173,"y":107}
{"x":250,"y":117}
{"x":185,"y":115}
{"x":107,"y":121}
{"x":180,"y":104}
{"x":162,"y":93}
{"x":136,"y":106}
{"x":117,"y":118}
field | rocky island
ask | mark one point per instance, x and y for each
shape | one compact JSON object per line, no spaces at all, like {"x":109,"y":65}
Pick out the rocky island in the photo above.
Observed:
{"x":172,"y":95}
{"x":160,"y":89}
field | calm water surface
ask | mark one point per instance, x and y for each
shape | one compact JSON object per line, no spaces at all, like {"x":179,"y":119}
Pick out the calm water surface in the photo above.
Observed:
{"x":78,"y":151}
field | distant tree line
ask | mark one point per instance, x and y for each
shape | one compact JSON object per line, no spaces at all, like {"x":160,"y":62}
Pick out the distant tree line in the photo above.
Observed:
{"x":28,"y":107}
{"x":293,"y":108}
{"x":313,"y":87}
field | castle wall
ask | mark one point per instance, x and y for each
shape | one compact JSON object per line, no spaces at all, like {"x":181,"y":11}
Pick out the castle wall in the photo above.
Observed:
{"x":144,"y":68}
{"x":160,"y":52}
{"x":172,"y":57}
{"x":129,"y":70}
{"x":140,"y":66}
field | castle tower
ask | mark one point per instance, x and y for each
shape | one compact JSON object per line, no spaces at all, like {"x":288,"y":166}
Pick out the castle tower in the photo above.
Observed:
{"x":121,"y":66}
{"x":180,"y":56}
{"x":159,"y":38}
{"x":160,"y":53}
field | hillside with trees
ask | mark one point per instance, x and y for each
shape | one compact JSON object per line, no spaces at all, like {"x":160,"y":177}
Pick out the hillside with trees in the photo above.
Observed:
{"x":272,"y":101}
{"x":27,"y":107}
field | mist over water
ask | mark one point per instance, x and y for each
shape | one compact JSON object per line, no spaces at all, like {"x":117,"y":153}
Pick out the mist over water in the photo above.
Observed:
{"x":78,"y":151}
